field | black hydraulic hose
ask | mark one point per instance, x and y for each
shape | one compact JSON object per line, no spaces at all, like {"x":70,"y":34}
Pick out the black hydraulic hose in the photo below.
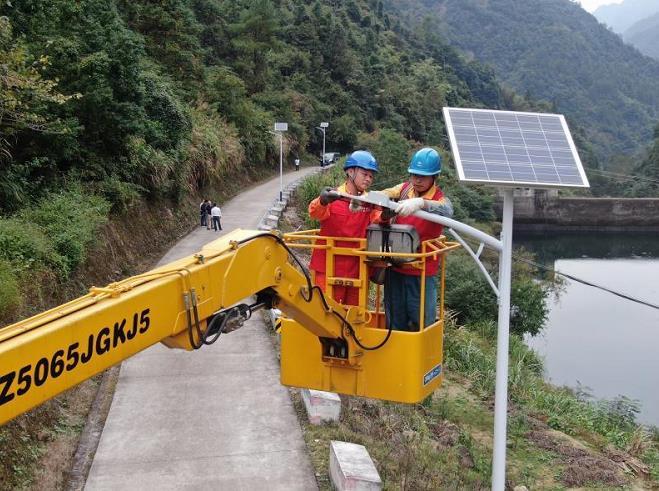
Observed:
{"x":311,"y":289}
{"x":200,"y":335}
{"x":190,"y":333}
{"x":220,"y":330}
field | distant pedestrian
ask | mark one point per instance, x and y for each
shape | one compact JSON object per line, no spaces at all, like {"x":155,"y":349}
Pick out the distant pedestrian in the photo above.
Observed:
{"x":297,"y":164}
{"x":207,"y":213}
{"x":202,"y":212}
{"x":216,"y":213}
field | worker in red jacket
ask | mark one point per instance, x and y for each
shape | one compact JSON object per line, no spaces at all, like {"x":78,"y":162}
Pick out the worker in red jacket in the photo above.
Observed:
{"x":402,"y":284}
{"x":339,"y":219}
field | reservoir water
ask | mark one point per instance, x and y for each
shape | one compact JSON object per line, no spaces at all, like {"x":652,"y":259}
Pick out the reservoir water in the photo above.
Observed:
{"x":593,"y":338}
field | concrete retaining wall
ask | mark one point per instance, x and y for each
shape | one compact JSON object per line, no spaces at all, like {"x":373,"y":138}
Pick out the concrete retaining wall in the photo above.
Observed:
{"x":541,"y":212}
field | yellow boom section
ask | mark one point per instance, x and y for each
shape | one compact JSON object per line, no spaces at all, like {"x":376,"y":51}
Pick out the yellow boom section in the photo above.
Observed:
{"x":51,"y":352}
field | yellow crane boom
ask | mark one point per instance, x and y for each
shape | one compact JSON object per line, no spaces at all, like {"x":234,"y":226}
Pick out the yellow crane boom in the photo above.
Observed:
{"x":190,"y":302}
{"x":53,"y":351}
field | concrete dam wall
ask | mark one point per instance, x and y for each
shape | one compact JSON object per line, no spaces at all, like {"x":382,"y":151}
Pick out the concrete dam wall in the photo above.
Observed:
{"x":542,"y":212}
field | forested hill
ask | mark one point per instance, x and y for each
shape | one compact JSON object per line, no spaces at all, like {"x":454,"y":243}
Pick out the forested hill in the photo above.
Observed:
{"x":161,"y":98}
{"x":554,"y":50}
{"x":623,"y":15}
{"x":644,"y":34}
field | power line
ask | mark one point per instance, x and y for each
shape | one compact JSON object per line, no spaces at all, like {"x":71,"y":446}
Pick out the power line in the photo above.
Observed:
{"x":587,"y":283}
{"x":626,"y":177}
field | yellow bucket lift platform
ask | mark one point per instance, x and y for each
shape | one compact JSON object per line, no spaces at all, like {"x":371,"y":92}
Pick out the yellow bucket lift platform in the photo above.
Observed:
{"x":382,"y":363}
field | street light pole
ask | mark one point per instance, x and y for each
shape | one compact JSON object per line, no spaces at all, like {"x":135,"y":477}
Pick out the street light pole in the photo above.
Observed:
{"x":281,"y":166}
{"x":279,"y":129}
{"x":503,"y":342}
{"x":323,"y":126}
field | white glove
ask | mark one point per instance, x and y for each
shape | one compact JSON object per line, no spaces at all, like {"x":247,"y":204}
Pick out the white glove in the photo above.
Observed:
{"x":409,"y":206}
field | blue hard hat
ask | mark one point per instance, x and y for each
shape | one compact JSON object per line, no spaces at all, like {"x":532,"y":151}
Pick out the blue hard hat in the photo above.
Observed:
{"x":363,"y":159}
{"x":425,"y":162}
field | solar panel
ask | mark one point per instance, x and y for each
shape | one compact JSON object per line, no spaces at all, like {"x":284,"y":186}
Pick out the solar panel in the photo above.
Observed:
{"x":513,"y":148}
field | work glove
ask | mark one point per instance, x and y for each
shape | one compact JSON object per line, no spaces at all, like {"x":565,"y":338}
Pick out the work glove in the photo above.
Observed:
{"x":409,"y":206}
{"x":355,"y":205}
{"x":327,"y":195}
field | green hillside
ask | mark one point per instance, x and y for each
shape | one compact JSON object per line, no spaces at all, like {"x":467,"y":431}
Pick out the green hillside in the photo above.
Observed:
{"x":162,"y":98}
{"x":554,"y":50}
{"x":110,"y":107}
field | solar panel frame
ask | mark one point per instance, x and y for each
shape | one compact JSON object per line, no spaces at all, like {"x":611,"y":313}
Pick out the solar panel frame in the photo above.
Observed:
{"x":513,"y":148}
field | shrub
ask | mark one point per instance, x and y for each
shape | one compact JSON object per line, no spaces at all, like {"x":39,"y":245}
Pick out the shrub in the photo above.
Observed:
{"x":344,"y":129}
{"x":214,"y":151}
{"x":154,"y":167}
{"x":10,"y":298}
{"x":311,"y":187}
{"x":227,"y":92}
{"x":470,"y":203}
{"x":70,"y":220}
{"x":25,"y":246}
{"x":168,"y":121}
{"x":253,"y":127}
{"x":469,"y":294}
{"x":121,"y":194}
{"x":392,"y":151}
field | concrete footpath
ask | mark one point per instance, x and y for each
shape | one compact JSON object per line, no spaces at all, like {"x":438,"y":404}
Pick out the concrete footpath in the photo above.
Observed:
{"x":216,"y":418}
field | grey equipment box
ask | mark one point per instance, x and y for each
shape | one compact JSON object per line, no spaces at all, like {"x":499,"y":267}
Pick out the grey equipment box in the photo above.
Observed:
{"x":393,"y":238}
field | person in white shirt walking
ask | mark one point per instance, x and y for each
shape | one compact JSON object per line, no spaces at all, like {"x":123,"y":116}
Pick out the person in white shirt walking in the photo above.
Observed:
{"x":216,"y":214}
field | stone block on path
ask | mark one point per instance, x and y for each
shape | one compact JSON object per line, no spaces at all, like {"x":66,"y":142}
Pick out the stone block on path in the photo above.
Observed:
{"x":272,"y":219}
{"x":351,"y":468}
{"x":321,"y":406}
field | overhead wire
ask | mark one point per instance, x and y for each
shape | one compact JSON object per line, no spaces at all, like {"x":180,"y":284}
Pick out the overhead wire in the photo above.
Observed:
{"x":584,"y":282}
{"x":626,"y":177}
{"x":549,"y":269}
{"x":611,"y":175}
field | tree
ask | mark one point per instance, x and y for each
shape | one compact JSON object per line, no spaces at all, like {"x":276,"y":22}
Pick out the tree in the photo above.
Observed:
{"x":25,"y":100}
{"x":25,"y":93}
{"x":255,"y":34}
{"x":648,"y":170}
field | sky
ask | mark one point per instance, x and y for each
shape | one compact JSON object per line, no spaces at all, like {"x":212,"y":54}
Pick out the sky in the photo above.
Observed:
{"x":591,"y":5}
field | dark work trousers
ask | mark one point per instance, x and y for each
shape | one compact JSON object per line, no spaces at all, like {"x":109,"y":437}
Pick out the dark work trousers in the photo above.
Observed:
{"x":402,"y":300}
{"x":216,"y":224}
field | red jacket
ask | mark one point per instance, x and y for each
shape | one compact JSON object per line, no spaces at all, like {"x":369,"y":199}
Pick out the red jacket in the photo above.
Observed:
{"x":336,"y":220}
{"x":427,"y":230}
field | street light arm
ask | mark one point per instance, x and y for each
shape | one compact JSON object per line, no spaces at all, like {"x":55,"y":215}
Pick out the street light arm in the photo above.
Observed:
{"x":375,"y":198}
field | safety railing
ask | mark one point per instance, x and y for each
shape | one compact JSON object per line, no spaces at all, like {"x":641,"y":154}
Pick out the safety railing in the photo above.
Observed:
{"x":371,"y":295}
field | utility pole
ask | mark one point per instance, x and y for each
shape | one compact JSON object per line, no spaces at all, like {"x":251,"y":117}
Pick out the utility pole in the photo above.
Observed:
{"x":323,"y":126}
{"x":279,"y":130}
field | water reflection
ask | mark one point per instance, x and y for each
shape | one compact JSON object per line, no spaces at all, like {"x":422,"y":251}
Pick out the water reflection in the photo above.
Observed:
{"x":592,"y":337}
